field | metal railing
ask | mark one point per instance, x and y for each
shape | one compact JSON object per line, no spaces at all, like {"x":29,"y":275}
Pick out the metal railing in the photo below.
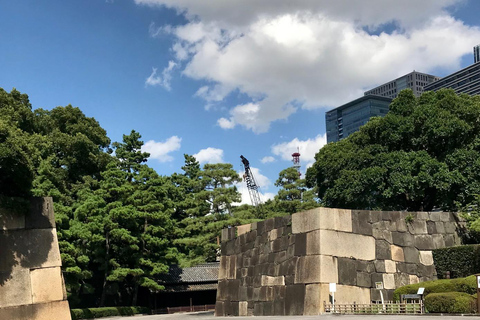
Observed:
{"x":373,"y":308}
{"x":196,"y":308}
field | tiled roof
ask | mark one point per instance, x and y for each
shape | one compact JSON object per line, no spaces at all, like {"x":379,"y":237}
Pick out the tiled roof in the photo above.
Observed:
{"x":201,"y":273}
{"x":191,"y":287}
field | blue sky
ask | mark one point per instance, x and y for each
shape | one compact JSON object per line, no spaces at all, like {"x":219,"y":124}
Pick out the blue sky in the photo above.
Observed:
{"x":224,"y":78}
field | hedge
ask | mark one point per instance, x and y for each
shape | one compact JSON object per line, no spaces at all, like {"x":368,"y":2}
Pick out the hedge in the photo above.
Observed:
{"x":466,"y":285}
{"x":450,"y":302}
{"x":461,"y":261}
{"x":93,"y":313}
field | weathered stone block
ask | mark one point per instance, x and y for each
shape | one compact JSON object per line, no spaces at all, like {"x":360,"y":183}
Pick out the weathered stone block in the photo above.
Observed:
{"x":232,"y":267}
{"x":274,"y":234}
{"x":10,"y":220}
{"x":279,"y":307}
{"x":403,"y":239}
{"x":41,"y":214}
{"x":15,"y":288}
{"x":382,"y":250}
{"x":269,"y":224}
{"x":322,"y":218}
{"x":42,"y":311}
{"x":388,"y":281}
{"x":300,"y":244}
{"x":351,"y":294}
{"x":222,"y":270}
{"x":361,"y":223}
{"x":342,"y":244}
{"x":379,"y":265}
{"x":438,"y":241}
{"x":439,"y":226}
{"x":446,"y":217}
{"x":424,"y":242}
{"x":219,"y":309}
{"x":273,"y":281}
{"x":243,"y":229}
{"x":397,"y":253}
{"x":347,"y":271}
{"x":426,"y":258}
{"x":243,"y":308}
{"x":294,"y":299}
{"x":314,"y":296}
{"x":390,"y":266}
{"x":46,"y":284}
{"x":305,"y":221}
{"x":411,"y":268}
{"x":401,"y":279}
{"x":450,"y":227}
{"x":46,"y":253}
{"x":417,"y":227}
{"x":315,"y":269}
{"x":232,"y":290}
{"x":258,"y":309}
{"x":279,"y":244}
{"x":268,"y":309}
{"x":364,"y":279}
{"x":411,"y":255}
{"x":413,"y":279}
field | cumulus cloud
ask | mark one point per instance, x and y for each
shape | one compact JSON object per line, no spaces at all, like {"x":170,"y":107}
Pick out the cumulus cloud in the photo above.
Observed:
{"x":287,"y":56}
{"x":160,"y":150}
{"x":308,"y":148}
{"x":268,"y":159}
{"x":162,"y":80}
{"x":209,"y":155}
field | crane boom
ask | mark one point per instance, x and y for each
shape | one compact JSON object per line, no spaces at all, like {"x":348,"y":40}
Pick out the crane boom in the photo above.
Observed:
{"x":251,"y":184}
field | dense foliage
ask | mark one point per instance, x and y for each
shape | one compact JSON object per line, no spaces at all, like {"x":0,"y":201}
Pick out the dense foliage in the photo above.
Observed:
{"x":467,"y":285}
{"x":460,"y":261}
{"x":450,"y":302}
{"x":424,"y":154}
{"x":120,"y":224}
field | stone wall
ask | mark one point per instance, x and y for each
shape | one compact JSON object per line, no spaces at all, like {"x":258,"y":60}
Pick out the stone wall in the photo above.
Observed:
{"x":31,"y":281}
{"x":282,"y":266}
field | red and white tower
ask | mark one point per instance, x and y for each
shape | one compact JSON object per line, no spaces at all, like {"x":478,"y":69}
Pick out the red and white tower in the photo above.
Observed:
{"x":296,"y":161}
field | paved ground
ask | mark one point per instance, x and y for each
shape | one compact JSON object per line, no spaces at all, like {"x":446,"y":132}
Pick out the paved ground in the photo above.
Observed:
{"x":210,"y":316}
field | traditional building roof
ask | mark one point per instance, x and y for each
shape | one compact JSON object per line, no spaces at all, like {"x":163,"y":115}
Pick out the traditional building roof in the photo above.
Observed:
{"x":198,"y":278}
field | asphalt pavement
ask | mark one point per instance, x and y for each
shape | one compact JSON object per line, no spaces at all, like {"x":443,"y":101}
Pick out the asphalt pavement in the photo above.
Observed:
{"x":210,"y":316}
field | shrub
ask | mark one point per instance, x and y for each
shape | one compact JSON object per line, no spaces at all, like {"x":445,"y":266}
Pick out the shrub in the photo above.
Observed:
{"x":93,"y":313}
{"x":449,"y":302}
{"x":461,"y":261}
{"x":466,"y":285}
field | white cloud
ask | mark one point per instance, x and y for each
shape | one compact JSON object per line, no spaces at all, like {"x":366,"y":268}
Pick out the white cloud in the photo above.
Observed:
{"x":161,"y":150}
{"x":164,"y":79}
{"x":308,"y":148}
{"x":287,"y":55}
{"x":209,"y":155}
{"x":268,"y":159}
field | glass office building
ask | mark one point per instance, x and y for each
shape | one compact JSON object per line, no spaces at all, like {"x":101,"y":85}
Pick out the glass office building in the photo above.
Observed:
{"x":348,"y":118}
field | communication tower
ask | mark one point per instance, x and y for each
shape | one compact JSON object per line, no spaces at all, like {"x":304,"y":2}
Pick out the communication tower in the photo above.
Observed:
{"x":296,"y":161}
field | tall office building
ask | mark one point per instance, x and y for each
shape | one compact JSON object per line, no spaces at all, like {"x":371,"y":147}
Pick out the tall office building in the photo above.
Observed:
{"x":466,"y":80}
{"x":476,"y":53}
{"x":348,"y":118}
{"x":413,"y":80}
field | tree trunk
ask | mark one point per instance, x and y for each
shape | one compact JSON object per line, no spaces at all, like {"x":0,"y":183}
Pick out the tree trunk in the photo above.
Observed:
{"x":107,"y":251}
{"x":135,"y":293}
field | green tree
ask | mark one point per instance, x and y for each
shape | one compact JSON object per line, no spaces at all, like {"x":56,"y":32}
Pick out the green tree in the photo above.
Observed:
{"x":422,"y":155}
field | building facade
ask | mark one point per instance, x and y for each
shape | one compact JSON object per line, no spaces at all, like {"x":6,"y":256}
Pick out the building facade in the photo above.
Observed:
{"x":476,"y":53}
{"x":348,"y":118}
{"x":466,"y":81}
{"x":413,"y":80}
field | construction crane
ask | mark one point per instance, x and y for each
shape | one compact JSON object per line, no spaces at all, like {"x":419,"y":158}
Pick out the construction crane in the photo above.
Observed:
{"x":251,"y":184}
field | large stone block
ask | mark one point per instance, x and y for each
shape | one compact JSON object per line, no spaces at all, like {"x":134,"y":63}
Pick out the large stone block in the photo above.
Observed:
{"x":232,"y":267}
{"x":424,"y":242}
{"x":403,"y":239}
{"x":390,"y":266}
{"x":351,"y":294}
{"x":388,"y":281}
{"x":15,"y":288}
{"x":315,"y":294}
{"x":300,"y":244}
{"x":341,"y":244}
{"x":397,"y":253}
{"x":426,"y":258}
{"x":273,"y":281}
{"x":417,"y":227}
{"x":57,"y":310}
{"x":322,"y":218}
{"x":243,"y":229}
{"x":382,"y":250}
{"x":10,"y":220}
{"x":347,"y":271}
{"x":219,"y":308}
{"x":46,"y":284}
{"x":295,"y":299}
{"x":316,"y":269}
{"x":41,"y":214}
{"x":361,"y":222}
{"x":243,"y":308}
{"x":364,"y":279}
{"x":34,"y":248}
{"x":411,"y":255}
